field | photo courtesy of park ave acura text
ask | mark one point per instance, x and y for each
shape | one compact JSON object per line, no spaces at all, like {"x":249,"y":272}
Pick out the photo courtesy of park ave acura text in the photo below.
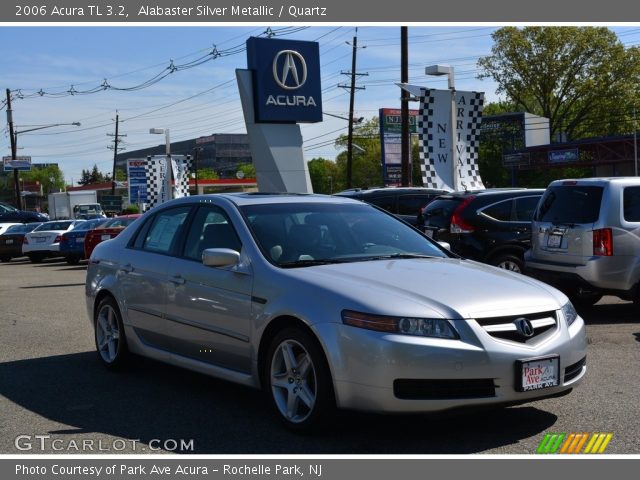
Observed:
{"x":315,"y":240}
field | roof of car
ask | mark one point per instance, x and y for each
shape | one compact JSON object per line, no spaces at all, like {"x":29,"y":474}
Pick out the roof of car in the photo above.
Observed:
{"x":494,"y":191}
{"x":387,"y":190}
{"x":251,"y":198}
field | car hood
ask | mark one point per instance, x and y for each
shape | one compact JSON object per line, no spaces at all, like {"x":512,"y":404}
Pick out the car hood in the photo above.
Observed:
{"x":450,"y":288}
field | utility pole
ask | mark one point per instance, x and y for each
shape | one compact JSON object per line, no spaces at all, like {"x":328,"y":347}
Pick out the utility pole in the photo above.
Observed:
{"x":352,"y":88}
{"x":116,"y":149}
{"x":12,"y":136}
{"x":405,"y":138}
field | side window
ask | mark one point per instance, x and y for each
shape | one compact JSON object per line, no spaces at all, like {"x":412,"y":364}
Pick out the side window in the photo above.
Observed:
{"x":411,"y":204}
{"x":210,"y":229}
{"x":386,"y":202}
{"x":500,"y":211}
{"x":164,"y":230}
{"x":631,"y":199}
{"x":525,"y":208}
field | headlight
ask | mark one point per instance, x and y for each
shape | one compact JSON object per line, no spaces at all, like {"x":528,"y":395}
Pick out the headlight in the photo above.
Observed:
{"x":421,"y":327}
{"x":569,"y":313}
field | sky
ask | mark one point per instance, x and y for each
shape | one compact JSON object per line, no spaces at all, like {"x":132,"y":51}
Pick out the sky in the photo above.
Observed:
{"x":203,"y":100}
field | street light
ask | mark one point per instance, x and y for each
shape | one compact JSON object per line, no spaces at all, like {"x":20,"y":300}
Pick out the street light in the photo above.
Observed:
{"x":354,"y":120}
{"x":439,"y":70}
{"x":167,"y":177}
{"x":14,"y":148}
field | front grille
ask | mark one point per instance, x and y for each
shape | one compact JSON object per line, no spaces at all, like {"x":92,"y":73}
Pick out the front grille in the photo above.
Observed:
{"x":572,"y":371}
{"x":506,"y":328}
{"x":422,"y":389}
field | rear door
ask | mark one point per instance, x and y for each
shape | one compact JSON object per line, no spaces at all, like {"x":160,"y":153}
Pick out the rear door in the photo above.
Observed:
{"x":562,"y":229}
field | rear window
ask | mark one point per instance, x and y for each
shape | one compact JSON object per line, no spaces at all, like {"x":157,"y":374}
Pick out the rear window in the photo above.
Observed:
{"x":631,"y":200}
{"x":570,"y":204}
{"x":441,"y":208}
{"x":410,"y":204}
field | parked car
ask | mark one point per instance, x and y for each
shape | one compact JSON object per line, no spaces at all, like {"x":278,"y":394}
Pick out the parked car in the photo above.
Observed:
{"x":72,"y":242}
{"x":325,"y":302}
{"x":404,"y":202}
{"x":586,"y":238}
{"x":12,"y":238}
{"x":44,"y":240}
{"x":5,"y":225}
{"x":9,"y":213}
{"x":106,"y":231}
{"x":491,"y":226}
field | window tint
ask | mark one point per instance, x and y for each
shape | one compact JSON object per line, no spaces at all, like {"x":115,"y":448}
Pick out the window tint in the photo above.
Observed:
{"x":438,"y":213}
{"x":525,"y":208}
{"x":500,"y":211}
{"x":631,"y":199}
{"x":570,"y":204}
{"x":386,"y":202}
{"x":411,"y":204}
{"x":210,"y":229}
{"x":164,"y":229}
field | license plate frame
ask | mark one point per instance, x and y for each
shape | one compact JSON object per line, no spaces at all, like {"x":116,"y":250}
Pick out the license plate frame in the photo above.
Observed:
{"x":554,"y":240}
{"x":9,"y":241}
{"x":537,"y":373}
{"x":105,"y":237}
{"x":80,"y":240}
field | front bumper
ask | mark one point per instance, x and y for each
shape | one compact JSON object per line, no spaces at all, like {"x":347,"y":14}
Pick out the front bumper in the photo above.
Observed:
{"x":366,"y":365}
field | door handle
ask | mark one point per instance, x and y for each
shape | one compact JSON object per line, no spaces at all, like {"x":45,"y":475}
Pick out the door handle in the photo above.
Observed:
{"x":126,"y":268}
{"x":177,"y":279}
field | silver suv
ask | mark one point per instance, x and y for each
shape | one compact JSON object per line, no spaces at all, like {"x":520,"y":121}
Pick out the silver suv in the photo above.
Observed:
{"x":586,"y":238}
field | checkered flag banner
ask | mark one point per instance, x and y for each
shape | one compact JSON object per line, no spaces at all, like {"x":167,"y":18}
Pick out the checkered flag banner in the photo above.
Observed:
{"x":158,"y":186}
{"x":181,"y":166}
{"x":434,"y":135}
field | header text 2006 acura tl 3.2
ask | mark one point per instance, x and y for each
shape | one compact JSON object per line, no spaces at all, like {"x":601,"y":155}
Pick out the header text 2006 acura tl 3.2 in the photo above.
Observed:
{"x":327,"y":302}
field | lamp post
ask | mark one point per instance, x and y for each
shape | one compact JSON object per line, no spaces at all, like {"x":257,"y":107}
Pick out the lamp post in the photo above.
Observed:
{"x":439,"y":70}
{"x":167,"y":177}
{"x":14,"y":148}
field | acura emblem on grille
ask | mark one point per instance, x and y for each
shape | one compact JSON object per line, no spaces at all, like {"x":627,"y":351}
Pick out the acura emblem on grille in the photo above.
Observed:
{"x":524,"y":327}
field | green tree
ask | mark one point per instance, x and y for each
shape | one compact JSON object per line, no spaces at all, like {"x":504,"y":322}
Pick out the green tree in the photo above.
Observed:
{"x":582,"y":78}
{"x":325,"y":177}
{"x":366,"y":168}
{"x":248,"y":170}
{"x":51,"y":178}
{"x":92,"y":176}
{"x":207,"y":174}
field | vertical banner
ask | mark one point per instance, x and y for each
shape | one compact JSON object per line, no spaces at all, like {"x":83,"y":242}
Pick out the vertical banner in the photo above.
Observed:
{"x":391,"y":143}
{"x":435,"y":135}
{"x":158,"y":189}
{"x":181,"y":166}
{"x":137,"y":179}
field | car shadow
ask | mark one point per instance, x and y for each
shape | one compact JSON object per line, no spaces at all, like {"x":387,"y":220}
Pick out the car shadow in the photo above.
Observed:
{"x":609,"y":313}
{"x":157,"y":401}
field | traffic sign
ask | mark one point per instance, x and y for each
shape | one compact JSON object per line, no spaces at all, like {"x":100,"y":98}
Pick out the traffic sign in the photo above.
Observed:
{"x":22,"y":163}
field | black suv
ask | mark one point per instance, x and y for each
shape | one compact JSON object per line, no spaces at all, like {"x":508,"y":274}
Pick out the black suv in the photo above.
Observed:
{"x":403,"y":202}
{"x":491,"y":226}
{"x":12,"y":214}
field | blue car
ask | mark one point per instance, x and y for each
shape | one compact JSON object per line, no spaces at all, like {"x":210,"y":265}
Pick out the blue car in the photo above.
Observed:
{"x":72,"y":243}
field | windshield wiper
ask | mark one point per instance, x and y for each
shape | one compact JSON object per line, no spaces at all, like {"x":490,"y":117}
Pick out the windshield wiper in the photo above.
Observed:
{"x":399,"y":255}
{"x":310,"y":263}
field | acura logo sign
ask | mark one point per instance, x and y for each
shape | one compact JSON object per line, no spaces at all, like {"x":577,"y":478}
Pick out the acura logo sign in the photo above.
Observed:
{"x":291,"y":72}
{"x":524,"y":327}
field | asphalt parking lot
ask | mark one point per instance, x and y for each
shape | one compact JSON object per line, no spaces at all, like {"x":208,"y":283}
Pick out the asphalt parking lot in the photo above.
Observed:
{"x":52,"y":386}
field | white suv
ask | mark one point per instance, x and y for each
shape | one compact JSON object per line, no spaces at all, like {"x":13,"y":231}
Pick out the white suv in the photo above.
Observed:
{"x":586,"y":238}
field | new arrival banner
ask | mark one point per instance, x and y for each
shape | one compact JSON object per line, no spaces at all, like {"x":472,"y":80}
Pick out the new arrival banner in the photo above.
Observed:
{"x":180,"y":165}
{"x":158,"y":181}
{"x":435,"y":133}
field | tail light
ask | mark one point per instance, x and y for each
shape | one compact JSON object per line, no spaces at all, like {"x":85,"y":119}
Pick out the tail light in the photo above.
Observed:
{"x":458,"y":225}
{"x":58,"y":239}
{"x":25,"y":241}
{"x":603,"y":242}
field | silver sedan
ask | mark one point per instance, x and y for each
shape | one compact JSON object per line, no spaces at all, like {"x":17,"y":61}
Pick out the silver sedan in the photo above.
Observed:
{"x":327,"y":302}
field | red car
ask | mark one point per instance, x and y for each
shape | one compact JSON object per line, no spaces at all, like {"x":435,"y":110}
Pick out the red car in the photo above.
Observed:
{"x":106,"y":231}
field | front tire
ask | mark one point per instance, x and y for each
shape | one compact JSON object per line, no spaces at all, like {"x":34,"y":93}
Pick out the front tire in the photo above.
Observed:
{"x":297,"y":380}
{"x":584,"y":298}
{"x":508,"y":261}
{"x":111,"y":343}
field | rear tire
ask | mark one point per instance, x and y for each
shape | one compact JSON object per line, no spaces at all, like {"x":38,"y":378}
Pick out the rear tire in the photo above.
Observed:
{"x":5,"y":259}
{"x":508,"y":261}
{"x":36,"y":257}
{"x":75,"y":260}
{"x":110,"y":340}
{"x":297,"y":380}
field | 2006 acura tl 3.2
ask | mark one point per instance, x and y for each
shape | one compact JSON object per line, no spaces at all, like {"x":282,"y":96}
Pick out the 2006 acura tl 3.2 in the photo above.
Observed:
{"x":327,"y":302}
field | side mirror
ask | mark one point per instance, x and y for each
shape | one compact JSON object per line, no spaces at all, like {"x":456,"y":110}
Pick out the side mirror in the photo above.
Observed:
{"x":445,"y":245}
{"x":220,"y":257}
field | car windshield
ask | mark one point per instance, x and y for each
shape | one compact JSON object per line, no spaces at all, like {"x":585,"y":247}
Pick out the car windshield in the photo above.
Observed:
{"x":570,"y":204}
{"x":89,"y":224}
{"x":5,"y":208}
{"x":53,"y":226}
{"x":24,"y":228}
{"x":302,"y":234}
{"x":118,"y":222}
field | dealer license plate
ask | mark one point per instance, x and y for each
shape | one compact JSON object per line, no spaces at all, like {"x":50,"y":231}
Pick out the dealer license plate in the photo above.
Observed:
{"x":41,"y":239}
{"x":537,"y":373}
{"x":105,"y":237}
{"x":554,"y":241}
{"x":9,"y":241}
